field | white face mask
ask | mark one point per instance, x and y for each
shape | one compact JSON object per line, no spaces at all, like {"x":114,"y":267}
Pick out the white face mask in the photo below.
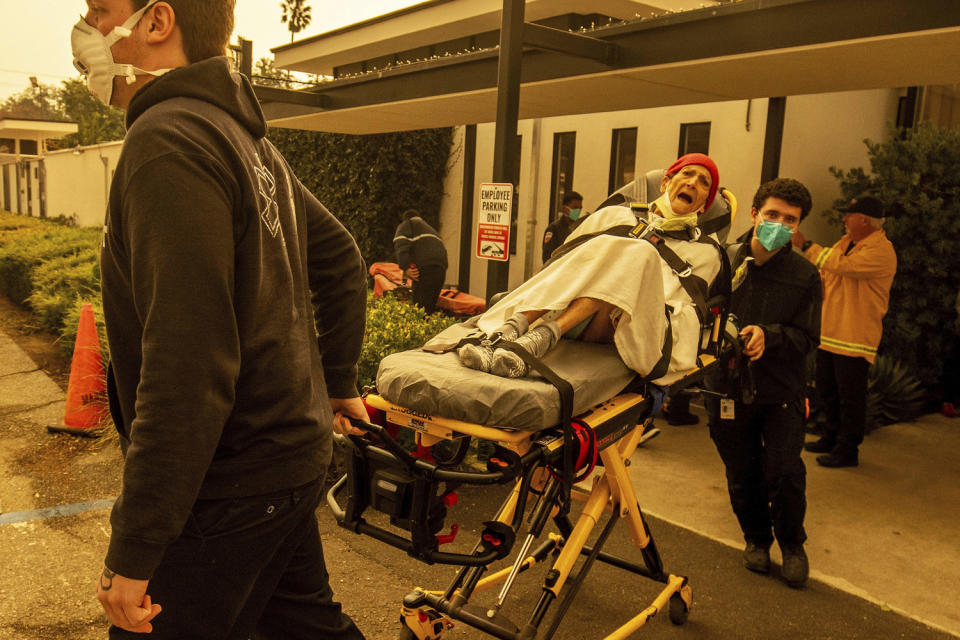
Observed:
{"x":93,"y":58}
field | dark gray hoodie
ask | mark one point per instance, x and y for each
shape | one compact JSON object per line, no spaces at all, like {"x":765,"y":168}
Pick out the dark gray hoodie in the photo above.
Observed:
{"x":215,"y":263}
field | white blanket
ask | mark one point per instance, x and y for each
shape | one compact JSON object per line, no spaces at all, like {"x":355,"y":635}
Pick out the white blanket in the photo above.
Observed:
{"x":630,"y":275}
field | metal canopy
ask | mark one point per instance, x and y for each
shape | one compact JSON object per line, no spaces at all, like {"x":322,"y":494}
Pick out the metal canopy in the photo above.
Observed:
{"x":750,"y":49}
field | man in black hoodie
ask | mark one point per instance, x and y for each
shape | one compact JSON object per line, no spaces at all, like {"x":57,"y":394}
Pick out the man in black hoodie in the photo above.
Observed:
{"x":758,"y":430}
{"x":219,"y":272}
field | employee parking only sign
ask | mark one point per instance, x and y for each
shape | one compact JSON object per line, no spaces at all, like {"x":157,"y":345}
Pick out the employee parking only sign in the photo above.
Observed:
{"x":493,"y":220}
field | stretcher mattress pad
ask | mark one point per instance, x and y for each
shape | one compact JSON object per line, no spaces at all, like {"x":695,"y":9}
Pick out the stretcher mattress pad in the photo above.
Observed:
{"x":438,"y":384}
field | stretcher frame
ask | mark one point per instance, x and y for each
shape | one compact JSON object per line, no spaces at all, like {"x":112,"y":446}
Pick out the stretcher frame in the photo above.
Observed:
{"x":619,"y":426}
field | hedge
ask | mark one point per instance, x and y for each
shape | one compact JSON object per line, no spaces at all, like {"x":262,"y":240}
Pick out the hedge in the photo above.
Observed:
{"x":369,"y":181}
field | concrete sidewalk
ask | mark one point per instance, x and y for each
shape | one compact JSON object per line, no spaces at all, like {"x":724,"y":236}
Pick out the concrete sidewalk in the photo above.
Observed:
{"x":886,"y":531}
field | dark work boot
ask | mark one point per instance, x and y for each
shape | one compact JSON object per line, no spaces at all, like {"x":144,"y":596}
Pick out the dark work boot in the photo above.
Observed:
{"x":824,"y":445}
{"x":796,"y":567}
{"x":839,"y":458}
{"x":756,"y":557}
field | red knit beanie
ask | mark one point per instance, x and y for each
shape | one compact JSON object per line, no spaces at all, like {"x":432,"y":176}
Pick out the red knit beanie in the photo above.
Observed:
{"x":703,"y":161}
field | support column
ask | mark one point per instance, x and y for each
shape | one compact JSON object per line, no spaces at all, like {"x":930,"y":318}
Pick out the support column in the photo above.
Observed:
{"x":773,"y":139}
{"x":466,"y":205}
{"x":506,"y":147}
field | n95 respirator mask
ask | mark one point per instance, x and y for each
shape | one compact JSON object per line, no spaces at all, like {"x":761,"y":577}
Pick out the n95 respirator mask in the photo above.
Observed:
{"x":92,"y":55}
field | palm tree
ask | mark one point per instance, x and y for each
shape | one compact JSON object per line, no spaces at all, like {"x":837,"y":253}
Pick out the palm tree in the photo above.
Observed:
{"x":296,"y":15}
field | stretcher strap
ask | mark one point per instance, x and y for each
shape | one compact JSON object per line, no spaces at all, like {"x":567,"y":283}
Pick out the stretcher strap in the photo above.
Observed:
{"x":565,"y":389}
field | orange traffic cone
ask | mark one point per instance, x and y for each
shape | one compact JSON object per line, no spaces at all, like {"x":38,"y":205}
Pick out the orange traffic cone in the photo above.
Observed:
{"x":86,"y":391}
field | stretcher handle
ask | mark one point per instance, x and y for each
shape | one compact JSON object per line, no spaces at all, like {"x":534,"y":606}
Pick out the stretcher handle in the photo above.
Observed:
{"x":428,"y":469}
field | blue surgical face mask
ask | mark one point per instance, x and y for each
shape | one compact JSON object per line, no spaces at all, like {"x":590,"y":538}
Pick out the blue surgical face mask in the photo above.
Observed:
{"x":574,"y":214}
{"x":773,"y":235}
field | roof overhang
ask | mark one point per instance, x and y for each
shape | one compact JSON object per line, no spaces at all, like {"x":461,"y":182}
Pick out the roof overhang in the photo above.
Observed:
{"x":750,"y":49}
{"x":435,"y":21}
{"x":35,"y":129}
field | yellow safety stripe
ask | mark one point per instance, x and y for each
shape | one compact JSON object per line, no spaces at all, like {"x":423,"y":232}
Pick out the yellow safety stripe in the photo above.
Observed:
{"x":849,"y":346}
{"x":822,"y":257}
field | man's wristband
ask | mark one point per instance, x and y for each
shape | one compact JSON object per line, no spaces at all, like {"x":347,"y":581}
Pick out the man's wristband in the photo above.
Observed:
{"x":806,"y":245}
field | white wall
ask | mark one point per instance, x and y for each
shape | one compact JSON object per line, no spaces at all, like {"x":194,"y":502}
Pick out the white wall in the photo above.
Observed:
{"x":819,"y":131}
{"x":78,"y":183}
{"x":828,"y":129}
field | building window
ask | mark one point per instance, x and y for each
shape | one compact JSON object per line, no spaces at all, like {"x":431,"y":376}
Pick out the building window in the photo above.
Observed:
{"x":561,"y":178}
{"x":694,"y":138}
{"x":28,"y":147}
{"x":623,"y":158}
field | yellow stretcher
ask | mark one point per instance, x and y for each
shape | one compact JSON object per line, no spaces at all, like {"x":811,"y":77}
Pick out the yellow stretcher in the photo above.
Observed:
{"x":415,"y":494}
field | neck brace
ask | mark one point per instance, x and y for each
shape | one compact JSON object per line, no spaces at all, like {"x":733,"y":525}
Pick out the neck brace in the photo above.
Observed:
{"x":670,"y":220}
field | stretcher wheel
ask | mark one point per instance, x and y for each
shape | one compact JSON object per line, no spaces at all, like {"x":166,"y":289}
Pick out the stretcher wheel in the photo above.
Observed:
{"x":678,"y":609}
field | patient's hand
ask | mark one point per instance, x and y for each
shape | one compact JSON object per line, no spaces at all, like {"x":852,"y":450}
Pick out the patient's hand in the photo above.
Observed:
{"x":753,"y":341}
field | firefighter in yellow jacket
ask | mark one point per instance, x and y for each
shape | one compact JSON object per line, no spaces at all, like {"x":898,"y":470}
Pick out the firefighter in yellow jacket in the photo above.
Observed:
{"x":857,"y":273}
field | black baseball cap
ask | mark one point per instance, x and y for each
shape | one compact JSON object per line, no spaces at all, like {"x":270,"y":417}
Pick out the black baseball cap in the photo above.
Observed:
{"x":867,"y":205}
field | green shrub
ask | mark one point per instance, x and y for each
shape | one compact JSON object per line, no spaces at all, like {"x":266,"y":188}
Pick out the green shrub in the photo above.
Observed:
{"x":60,"y":282}
{"x":24,"y":250}
{"x":394,"y":326}
{"x":917,"y":176}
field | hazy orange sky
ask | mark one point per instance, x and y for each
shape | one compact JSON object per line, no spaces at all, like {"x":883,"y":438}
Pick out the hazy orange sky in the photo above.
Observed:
{"x":35,"y":34}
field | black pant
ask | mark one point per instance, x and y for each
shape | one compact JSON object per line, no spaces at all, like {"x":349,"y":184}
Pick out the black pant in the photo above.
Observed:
{"x":248,"y":568}
{"x":842,"y":387}
{"x":766,"y":478}
{"x":427,"y":289}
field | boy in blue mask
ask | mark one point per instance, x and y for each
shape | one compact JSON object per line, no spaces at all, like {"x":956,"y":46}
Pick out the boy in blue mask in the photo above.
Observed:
{"x":777,"y":297}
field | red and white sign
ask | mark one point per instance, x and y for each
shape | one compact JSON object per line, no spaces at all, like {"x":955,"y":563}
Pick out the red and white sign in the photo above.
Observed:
{"x":493,"y":220}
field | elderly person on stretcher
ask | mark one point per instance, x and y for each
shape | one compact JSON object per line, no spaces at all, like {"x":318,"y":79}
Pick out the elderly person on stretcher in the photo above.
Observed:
{"x":614,"y":289}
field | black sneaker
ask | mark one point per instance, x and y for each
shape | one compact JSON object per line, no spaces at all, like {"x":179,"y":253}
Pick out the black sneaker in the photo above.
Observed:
{"x":682,"y":420}
{"x":836,"y":459}
{"x":823,"y":445}
{"x":796,"y":567}
{"x":757,"y":557}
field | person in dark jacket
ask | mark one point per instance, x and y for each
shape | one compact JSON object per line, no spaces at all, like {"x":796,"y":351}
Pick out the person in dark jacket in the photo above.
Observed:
{"x":568,"y":218}
{"x":759,"y":428}
{"x":422,"y":256}
{"x":219,"y":272}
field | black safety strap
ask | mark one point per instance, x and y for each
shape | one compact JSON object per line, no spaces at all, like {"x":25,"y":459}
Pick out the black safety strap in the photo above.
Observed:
{"x":565,"y":389}
{"x":660,"y":368}
{"x":695,"y":286}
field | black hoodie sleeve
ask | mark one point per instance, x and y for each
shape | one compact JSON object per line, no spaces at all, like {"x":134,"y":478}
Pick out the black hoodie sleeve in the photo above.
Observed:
{"x":338,"y":284}
{"x":792,"y":339}
{"x":179,"y":235}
